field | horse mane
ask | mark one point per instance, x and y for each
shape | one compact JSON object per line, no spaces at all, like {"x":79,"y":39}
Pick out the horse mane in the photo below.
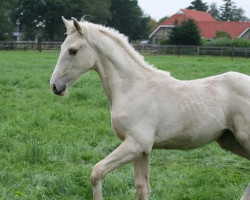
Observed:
{"x":122,"y":41}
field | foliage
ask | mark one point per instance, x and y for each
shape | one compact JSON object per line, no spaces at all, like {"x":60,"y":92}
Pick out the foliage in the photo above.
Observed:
{"x":222,"y":34}
{"x":214,"y":11}
{"x":42,"y":19}
{"x":49,"y":144}
{"x":163,"y":19}
{"x":230,"y":12}
{"x":198,"y":5}
{"x":128,"y":18}
{"x":164,"y":41}
{"x":153,"y":25}
{"x":6,"y":25}
{"x":185,"y":34}
{"x":227,"y":10}
{"x":226,"y":42}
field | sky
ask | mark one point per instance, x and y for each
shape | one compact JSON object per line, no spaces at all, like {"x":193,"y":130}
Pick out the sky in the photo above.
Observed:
{"x":161,"y":8}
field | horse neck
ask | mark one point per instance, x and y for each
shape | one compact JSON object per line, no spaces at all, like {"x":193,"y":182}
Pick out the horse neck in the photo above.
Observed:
{"x":118,"y":68}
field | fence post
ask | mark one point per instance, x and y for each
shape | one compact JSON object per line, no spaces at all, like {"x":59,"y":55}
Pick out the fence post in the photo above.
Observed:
{"x":178,"y":51}
{"x":39,"y":45}
{"x":232,"y":52}
{"x":198,"y":50}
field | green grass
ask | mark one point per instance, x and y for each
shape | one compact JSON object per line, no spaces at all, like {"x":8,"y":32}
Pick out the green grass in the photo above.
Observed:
{"x":49,"y":144}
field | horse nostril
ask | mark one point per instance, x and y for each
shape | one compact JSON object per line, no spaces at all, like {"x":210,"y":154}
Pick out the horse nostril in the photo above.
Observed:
{"x":54,"y":88}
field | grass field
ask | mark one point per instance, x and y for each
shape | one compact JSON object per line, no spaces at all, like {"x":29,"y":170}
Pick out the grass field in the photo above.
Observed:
{"x":49,"y":144}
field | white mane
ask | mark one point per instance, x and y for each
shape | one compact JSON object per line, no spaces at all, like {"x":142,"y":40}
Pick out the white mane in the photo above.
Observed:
{"x":120,"y":39}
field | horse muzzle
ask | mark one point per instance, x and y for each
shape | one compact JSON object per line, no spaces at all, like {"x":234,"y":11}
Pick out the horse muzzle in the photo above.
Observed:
{"x":61,"y":91}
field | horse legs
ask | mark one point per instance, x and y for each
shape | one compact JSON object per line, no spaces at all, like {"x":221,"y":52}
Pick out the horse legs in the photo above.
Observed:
{"x":244,"y":139}
{"x":126,"y":152}
{"x":227,"y":141}
{"x":242,"y":132}
{"x":141,"y":169}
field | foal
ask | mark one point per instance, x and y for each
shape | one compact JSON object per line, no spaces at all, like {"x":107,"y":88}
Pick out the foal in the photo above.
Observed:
{"x":149,"y":108}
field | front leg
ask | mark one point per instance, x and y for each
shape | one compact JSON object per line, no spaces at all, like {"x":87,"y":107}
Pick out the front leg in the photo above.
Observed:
{"x":141,"y":169}
{"x":126,"y":152}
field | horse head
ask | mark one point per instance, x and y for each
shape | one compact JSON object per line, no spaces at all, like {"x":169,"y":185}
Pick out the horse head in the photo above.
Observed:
{"x":76,"y":57}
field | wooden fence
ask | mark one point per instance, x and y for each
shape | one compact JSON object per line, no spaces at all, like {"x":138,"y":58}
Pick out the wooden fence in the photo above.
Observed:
{"x":193,"y":50}
{"x":30,"y":45}
{"x":144,"y":49}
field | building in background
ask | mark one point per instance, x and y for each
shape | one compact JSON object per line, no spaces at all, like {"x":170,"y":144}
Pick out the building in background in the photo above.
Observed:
{"x":207,"y":24}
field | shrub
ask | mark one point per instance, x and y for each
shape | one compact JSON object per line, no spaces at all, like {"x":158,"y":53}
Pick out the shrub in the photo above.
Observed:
{"x":185,"y":34}
{"x":222,"y":34}
{"x":220,"y":42}
{"x":239,"y":42}
{"x":226,"y":42}
{"x":164,"y":41}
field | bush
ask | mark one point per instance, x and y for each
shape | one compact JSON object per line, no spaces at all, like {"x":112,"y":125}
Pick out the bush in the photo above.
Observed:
{"x":226,"y":42}
{"x":164,"y":41}
{"x":222,"y":34}
{"x":185,"y":34}
{"x":239,"y":42}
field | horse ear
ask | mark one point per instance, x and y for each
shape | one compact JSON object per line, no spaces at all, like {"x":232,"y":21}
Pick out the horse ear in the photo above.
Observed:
{"x":77,"y":25}
{"x":66,"y":22}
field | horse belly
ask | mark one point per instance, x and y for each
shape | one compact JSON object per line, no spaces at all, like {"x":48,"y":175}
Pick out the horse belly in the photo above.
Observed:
{"x":184,"y":142}
{"x":187,"y":140}
{"x":190,"y":133}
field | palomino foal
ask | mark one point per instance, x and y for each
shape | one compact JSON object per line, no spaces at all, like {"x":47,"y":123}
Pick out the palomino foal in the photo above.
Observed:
{"x":149,"y":108}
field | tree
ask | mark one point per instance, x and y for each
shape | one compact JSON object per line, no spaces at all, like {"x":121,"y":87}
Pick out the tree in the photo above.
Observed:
{"x":227,"y":10}
{"x":7,"y":27}
{"x":239,"y":15}
{"x":198,"y":5}
{"x":43,"y":18}
{"x":163,"y":19}
{"x":214,"y":11}
{"x":185,"y":34}
{"x":128,"y":18}
{"x":230,"y":12}
{"x":153,"y":25}
{"x":97,"y":10}
{"x":222,"y":34}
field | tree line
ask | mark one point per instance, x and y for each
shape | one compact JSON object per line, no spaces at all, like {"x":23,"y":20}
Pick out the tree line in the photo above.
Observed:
{"x":229,"y":11}
{"x":41,"y":19}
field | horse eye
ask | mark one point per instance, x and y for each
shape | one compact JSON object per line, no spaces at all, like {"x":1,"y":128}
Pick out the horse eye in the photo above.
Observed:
{"x":73,"y":52}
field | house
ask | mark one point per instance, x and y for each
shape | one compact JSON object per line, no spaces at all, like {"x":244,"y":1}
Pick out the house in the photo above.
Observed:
{"x":207,"y":24}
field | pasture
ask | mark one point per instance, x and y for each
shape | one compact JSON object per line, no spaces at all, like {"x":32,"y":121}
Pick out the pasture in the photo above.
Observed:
{"x":49,"y":144}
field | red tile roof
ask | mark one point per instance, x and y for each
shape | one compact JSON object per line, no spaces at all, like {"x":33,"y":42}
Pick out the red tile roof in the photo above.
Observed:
{"x":234,"y":29}
{"x":198,"y":15}
{"x":207,"y":24}
{"x":186,"y":14}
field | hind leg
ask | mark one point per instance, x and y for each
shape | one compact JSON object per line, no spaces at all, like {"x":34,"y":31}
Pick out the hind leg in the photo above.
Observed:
{"x":227,"y":141}
{"x":242,"y":132}
{"x":244,"y":140}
